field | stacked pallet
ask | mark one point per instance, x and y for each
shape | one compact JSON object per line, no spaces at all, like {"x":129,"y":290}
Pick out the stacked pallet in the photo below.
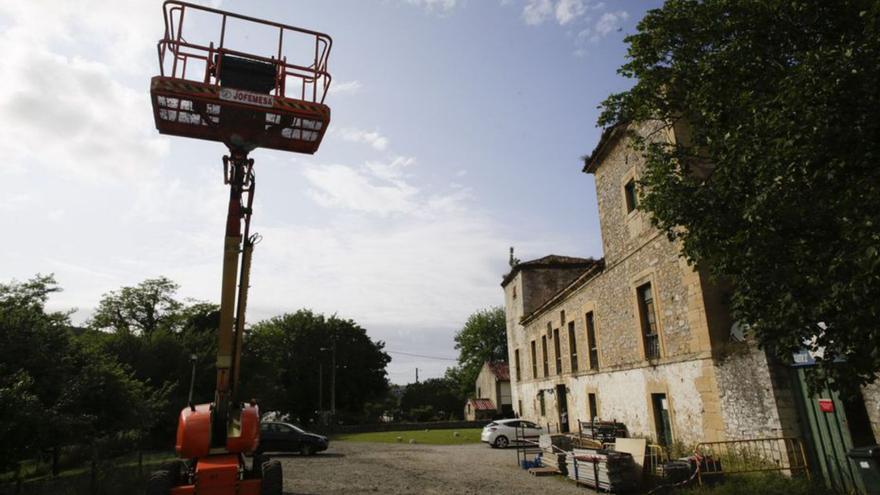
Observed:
{"x":555,"y":460}
{"x":603,"y":469}
{"x":553,"y":451}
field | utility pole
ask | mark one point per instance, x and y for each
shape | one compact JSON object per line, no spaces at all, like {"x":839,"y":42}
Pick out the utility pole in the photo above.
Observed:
{"x":333,"y":380}
{"x":417,"y":375}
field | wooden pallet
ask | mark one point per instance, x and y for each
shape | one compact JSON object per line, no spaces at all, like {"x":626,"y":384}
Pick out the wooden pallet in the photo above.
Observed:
{"x":543,"y":471}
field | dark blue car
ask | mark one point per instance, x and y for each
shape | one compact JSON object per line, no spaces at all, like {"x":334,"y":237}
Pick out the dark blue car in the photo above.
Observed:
{"x":285,"y":437}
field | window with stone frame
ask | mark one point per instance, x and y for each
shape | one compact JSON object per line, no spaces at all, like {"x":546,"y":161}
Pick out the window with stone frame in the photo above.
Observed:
{"x":648,"y":317}
{"x":592,"y":346}
{"x":516,"y":363}
{"x":631,"y":195}
{"x":544,"y":355}
{"x":557,"y":350}
{"x":534,"y":361}
{"x":572,"y":348}
{"x":541,"y":401}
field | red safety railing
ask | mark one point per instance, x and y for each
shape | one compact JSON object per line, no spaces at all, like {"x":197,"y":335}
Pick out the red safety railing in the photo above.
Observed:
{"x":199,"y":62}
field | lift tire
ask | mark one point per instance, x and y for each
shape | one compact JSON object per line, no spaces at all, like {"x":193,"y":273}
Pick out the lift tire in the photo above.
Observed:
{"x":160,"y":483}
{"x":273,"y":479}
{"x":177,"y":469}
{"x":257,"y":462}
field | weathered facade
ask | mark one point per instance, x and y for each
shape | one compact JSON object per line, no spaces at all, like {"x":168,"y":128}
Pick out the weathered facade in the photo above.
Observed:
{"x":640,"y":336}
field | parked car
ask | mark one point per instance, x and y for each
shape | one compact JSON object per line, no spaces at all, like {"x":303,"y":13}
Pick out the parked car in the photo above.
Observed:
{"x":504,"y":432}
{"x":285,"y":437}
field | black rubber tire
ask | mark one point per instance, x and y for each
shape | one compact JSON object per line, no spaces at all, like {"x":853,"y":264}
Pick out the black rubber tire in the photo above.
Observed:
{"x":306,"y":449}
{"x":160,"y":483}
{"x":273,"y":479}
{"x":177,"y":469}
{"x":501,"y":442}
{"x":257,"y":462}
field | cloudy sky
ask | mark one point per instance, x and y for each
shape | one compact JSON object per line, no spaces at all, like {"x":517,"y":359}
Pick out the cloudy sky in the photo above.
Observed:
{"x":457,"y":128}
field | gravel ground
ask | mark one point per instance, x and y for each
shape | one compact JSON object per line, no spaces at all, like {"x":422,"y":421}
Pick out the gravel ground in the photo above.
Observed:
{"x":360,"y":467}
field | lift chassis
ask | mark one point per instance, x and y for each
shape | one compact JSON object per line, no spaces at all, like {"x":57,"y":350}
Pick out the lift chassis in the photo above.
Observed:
{"x":246,"y":100}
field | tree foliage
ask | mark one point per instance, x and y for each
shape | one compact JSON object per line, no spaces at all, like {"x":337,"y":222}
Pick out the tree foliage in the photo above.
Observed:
{"x":482,"y":338}
{"x":435,"y":398}
{"x":287,"y":357}
{"x":56,"y":389}
{"x":776,"y":189}
{"x":141,"y":309}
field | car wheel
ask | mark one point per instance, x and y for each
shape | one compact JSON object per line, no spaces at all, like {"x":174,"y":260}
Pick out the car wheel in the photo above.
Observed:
{"x":273,"y":480}
{"x":306,"y":449}
{"x":160,"y":483}
{"x":501,"y":442}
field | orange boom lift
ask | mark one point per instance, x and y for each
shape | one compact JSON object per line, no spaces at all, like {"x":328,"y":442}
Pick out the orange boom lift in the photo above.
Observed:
{"x":245,"y":97}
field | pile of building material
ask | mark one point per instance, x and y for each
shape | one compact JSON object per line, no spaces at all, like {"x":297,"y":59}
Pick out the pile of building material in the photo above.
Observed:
{"x":604,"y":469}
{"x":554,"y":449}
{"x":602,"y":431}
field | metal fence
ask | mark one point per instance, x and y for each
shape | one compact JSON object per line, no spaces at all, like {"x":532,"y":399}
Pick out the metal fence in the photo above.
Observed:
{"x":782,"y":454}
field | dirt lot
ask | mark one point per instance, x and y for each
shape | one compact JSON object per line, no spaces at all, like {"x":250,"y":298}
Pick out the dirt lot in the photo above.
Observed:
{"x":359,"y":467}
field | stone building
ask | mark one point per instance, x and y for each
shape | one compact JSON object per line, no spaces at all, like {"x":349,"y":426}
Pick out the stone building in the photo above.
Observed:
{"x":492,"y":397}
{"x":640,"y":336}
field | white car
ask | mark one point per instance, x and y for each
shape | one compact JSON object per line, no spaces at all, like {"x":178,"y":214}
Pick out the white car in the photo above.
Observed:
{"x":504,"y":432}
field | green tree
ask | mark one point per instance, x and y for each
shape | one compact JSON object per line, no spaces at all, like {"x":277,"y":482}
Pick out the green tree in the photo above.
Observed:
{"x":55,"y":389}
{"x":286,"y":358}
{"x":141,"y":309}
{"x":776,"y":187}
{"x":435,"y":398}
{"x":482,"y":338}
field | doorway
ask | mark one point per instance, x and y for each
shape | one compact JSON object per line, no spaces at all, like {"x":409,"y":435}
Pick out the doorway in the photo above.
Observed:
{"x":662,"y":424}
{"x":562,"y":403}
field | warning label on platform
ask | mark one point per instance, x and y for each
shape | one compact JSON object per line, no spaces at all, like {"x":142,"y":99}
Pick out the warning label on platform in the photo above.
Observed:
{"x":242,"y":96}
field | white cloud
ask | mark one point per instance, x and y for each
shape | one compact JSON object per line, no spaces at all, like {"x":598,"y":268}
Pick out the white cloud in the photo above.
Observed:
{"x":345,"y":87}
{"x":372,"y":138}
{"x":359,"y":189}
{"x":609,"y":21}
{"x":442,"y":6}
{"x":569,"y":10}
{"x":69,"y":112}
{"x":537,"y":11}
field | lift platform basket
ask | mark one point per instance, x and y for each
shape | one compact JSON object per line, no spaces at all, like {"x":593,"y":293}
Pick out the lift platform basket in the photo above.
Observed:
{"x":255,"y":96}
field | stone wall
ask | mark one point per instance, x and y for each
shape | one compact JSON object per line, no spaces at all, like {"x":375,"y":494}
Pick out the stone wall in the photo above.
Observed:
{"x":871,"y":394}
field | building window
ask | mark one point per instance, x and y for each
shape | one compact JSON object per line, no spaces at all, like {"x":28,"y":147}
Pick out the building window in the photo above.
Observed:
{"x":534,"y":361}
{"x":544,"y":352}
{"x":541,"y":402}
{"x":648,"y":316}
{"x":514,"y":292}
{"x":516,"y":361}
{"x":594,"y":407}
{"x":519,"y":412}
{"x":572,"y":347}
{"x":591,"y":341}
{"x":479,"y":392}
{"x":556,"y":348}
{"x":562,"y":318}
{"x":631,"y":195}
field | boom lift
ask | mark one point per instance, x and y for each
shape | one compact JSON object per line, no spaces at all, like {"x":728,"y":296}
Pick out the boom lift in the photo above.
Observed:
{"x":245,"y":99}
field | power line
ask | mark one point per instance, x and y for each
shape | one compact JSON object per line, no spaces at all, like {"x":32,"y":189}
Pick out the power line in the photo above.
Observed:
{"x":420,"y":355}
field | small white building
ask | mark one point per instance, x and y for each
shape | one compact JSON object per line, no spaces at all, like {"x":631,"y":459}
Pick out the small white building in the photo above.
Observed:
{"x":492,"y":397}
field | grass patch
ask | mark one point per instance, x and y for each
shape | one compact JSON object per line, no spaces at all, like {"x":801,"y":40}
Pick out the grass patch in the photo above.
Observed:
{"x":430,"y":437}
{"x":763,"y":483}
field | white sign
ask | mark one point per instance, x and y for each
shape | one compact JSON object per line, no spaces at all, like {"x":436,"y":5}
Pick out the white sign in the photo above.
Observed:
{"x":242,"y":96}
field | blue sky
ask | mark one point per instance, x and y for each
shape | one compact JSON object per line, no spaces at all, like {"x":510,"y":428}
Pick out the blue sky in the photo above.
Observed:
{"x":457,"y":130}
